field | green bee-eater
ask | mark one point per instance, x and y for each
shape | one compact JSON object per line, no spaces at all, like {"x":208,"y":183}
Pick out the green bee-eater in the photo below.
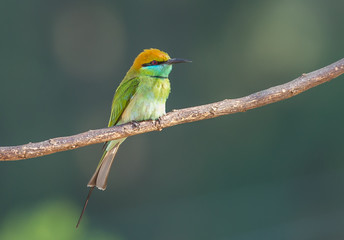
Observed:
{"x":141,"y":95}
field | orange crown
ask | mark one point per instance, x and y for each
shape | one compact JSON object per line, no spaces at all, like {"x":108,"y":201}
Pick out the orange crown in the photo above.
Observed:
{"x":149,"y":55}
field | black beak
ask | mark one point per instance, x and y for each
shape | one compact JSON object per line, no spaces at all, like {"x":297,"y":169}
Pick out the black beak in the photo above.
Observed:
{"x":177,"y":60}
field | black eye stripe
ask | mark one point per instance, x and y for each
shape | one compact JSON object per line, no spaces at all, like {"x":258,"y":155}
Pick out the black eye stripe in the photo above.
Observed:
{"x":153,"y":63}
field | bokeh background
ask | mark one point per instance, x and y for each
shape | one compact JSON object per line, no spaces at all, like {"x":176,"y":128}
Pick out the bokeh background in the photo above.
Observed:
{"x":275,"y":172}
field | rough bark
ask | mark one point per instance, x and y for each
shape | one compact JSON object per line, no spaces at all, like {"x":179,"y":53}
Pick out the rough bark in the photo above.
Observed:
{"x":192,"y":114}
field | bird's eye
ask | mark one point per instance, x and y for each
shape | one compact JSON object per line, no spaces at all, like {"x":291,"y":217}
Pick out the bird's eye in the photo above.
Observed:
{"x":151,"y":63}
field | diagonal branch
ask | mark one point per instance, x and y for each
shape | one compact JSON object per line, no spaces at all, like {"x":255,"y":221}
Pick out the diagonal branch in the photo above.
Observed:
{"x":228,"y":106}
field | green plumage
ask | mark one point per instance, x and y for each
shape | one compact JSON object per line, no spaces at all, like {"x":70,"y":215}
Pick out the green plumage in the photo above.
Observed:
{"x":123,"y":94}
{"x":137,"y":98}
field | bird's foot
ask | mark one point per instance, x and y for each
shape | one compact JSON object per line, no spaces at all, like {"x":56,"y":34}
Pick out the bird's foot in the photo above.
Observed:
{"x":158,"y":124}
{"x":135,"y":124}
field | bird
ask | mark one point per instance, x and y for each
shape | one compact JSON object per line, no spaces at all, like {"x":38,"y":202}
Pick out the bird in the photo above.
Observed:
{"x":141,"y":95}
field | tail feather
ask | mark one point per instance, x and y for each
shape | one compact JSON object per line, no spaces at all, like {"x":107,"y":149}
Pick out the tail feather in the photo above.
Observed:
{"x":104,"y":170}
{"x":100,"y":176}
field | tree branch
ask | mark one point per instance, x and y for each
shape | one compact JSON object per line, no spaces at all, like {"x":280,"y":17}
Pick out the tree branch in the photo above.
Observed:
{"x":228,"y":106}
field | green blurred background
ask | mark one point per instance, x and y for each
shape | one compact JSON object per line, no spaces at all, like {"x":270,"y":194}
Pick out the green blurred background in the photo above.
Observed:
{"x":275,"y":172}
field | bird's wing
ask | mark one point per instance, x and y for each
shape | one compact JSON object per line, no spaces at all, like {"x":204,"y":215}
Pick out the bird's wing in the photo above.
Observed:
{"x":122,"y":97}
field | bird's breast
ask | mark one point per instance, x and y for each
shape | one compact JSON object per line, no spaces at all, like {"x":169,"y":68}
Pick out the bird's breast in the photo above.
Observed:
{"x":148,"y":102}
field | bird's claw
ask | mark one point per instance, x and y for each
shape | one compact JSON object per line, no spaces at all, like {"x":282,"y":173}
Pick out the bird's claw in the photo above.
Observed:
{"x":158,"y":124}
{"x":135,"y":124}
